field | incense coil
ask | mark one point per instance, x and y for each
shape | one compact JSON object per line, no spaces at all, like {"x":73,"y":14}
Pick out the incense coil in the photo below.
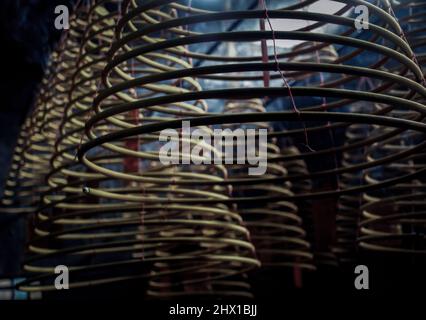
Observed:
{"x":90,"y":43}
{"x":385,"y":220}
{"x":394,"y":225}
{"x":411,"y":16}
{"x":337,"y":75}
{"x":349,"y":213}
{"x":305,"y":210}
{"x":152,"y":233}
{"x":385,"y":226}
{"x":378,"y":94}
{"x":276,"y":228}
{"x":64,"y":133}
{"x":119,"y":190}
{"x":35,"y":145}
{"x":154,"y":171}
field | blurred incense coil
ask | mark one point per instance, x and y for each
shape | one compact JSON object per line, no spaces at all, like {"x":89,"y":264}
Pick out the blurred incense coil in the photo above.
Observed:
{"x":345,"y":118}
{"x":391,"y":221}
{"x":276,"y":228}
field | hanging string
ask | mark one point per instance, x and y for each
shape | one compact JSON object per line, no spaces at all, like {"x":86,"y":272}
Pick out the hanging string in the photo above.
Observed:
{"x":286,"y":83}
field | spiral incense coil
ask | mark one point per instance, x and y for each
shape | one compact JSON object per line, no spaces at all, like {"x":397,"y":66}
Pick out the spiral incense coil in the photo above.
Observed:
{"x":161,"y":42}
{"x":89,"y":161}
{"x":325,"y":54}
{"x":298,"y":166}
{"x":83,"y":48}
{"x":36,"y":144}
{"x":411,"y":16}
{"x":199,"y":248}
{"x":375,"y":223}
{"x":13,"y":183}
{"x":32,"y":153}
{"x":30,"y":164}
{"x":385,"y":226}
{"x":276,"y":228}
{"x":386,"y":219}
{"x":349,"y":214}
{"x":395,"y":225}
{"x":141,"y":22}
{"x":91,"y":44}
{"x":323,"y":255}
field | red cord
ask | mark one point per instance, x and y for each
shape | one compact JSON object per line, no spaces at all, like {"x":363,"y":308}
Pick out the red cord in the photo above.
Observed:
{"x":286,"y":84}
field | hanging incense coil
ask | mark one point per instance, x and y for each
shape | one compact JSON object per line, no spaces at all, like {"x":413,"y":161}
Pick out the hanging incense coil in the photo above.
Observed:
{"x":411,"y":16}
{"x":161,"y":240}
{"x":112,"y":211}
{"x":134,"y":46}
{"x":384,"y":216}
{"x":34,"y":147}
{"x":349,"y":214}
{"x":383,"y":79}
{"x":385,"y":226}
{"x":394,"y":225}
{"x":181,"y":34}
{"x":276,"y":228}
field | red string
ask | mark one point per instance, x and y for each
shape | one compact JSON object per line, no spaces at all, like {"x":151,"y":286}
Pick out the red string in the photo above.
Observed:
{"x":277,"y":66}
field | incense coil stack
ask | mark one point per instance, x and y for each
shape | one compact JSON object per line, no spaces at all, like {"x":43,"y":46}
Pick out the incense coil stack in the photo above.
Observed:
{"x":392,"y":221}
{"x":349,"y":213}
{"x":34,"y":147}
{"x":174,"y":269}
{"x":135,"y":229}
{"x":276,"y":228}
{"x":411,"y":16}
{"x":379,"y":93}
{"x":338,"y":74}
{"x":107,"y":206}
{"x":65,"y":213}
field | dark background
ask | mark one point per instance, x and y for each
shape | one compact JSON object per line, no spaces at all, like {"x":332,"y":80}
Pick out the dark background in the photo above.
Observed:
{"x":27,"y":36}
